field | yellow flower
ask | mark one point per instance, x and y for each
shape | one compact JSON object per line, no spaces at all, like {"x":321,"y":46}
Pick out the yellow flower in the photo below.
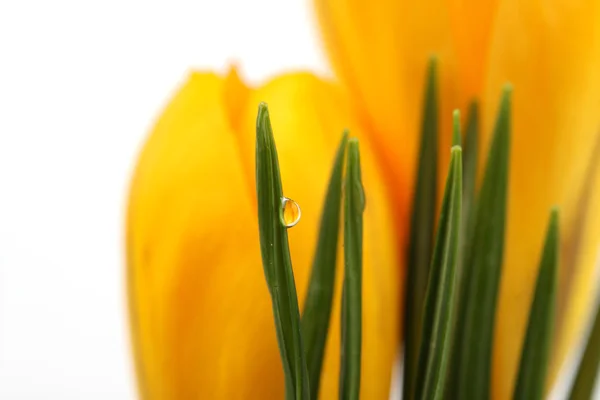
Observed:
{"x":550,"y":51}
{"x":201,"y":317}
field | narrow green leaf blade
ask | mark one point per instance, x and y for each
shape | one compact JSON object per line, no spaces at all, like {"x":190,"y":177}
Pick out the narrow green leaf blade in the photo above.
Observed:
{"x":421,"y":231}
{"x":354,"y":204}
{"x":587,"y":373}
{"x":456,"y":138}
{"x":277,"y":264}
{"x":469,"y":177}
{"x":317,"y":306}
{"x":467,"y":225}
{"x":439,"y":303}
{"x":484,"y":264}
{"x":531,"y":380}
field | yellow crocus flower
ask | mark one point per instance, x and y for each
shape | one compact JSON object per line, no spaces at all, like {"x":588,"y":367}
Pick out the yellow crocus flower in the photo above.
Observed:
{"x":201,"y":316}
{"x":200,"y":313}
{"x":550,"y":51}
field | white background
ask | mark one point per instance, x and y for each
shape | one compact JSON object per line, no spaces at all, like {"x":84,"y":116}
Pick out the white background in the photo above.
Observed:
{"x":80,"y":83}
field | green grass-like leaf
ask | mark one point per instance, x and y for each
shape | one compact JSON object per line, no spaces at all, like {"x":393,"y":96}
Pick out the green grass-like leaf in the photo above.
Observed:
{"x":277,"y":264}
{"x":469,"y":177}
{"x":583,"y":387}
{"x":317,"y":306}
{"x":456,"y":139}
{"x":467,"y":225}
{"x":482,"y":267}
{"x":354,"y":204}
{"x":531,"y":379}
{"x":421,"y":231}
{"x":439,"y":302}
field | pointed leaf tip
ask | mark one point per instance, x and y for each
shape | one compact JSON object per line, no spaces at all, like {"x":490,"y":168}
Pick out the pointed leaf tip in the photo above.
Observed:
{"x":531,"y":378}
{"x":263,"y":113}
{"x":483,"y":267}
{"x":421,"y":228}
{"x":456,"y":134}
{"x":439,"y":304}
{"x":319,"y":298}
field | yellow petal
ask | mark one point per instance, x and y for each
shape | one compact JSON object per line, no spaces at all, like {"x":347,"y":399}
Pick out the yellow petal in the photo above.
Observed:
{"x":380,"y":50}
{"x":308,"y":117}
{"x":192,"y":257}
{"x":470,"y":28}
{"x":201,"y":317}
{"x":550,"y":51}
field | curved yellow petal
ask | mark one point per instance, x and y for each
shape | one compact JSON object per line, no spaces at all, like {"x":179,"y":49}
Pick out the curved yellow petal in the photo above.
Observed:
{"x":192,"y":257}
{"x":471,"y":24}
{"x":380,"y":50}
{"x":308,"y":117}
{"x":550,"y":51}
{"x":201,"y":317}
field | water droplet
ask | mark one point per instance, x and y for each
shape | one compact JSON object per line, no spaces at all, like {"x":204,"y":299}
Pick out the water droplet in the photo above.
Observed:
{"x":290,"y":212}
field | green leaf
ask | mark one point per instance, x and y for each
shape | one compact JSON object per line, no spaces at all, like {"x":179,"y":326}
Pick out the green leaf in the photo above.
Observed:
{"x":317,"y":306}
{"x":354,"y":205}
{"x":421,"y":231}
{"x":469,"y":178}
{"x":277,"y":264}
{"x":531,"y":380}
{"x":585,"y":379}
{"x":467,"y":225}
{"x":482,"y":268}
{"x":439,"y":303}
{"x":456,"y":139}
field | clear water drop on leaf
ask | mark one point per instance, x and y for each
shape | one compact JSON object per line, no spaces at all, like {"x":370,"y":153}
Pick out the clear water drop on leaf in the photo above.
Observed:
{"x":290,"y":212}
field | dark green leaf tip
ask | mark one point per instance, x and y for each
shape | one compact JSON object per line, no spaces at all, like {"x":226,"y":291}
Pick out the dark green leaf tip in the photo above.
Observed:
{"x":432,"y":71}
{"x":422,"y":225}
{"x":319,"y":297}
{"x":505,"y":102}
{"x":353,"y":145}
{"x":554,"y":219}
{"x":431,"y":79}
{"x":531,"y":379}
